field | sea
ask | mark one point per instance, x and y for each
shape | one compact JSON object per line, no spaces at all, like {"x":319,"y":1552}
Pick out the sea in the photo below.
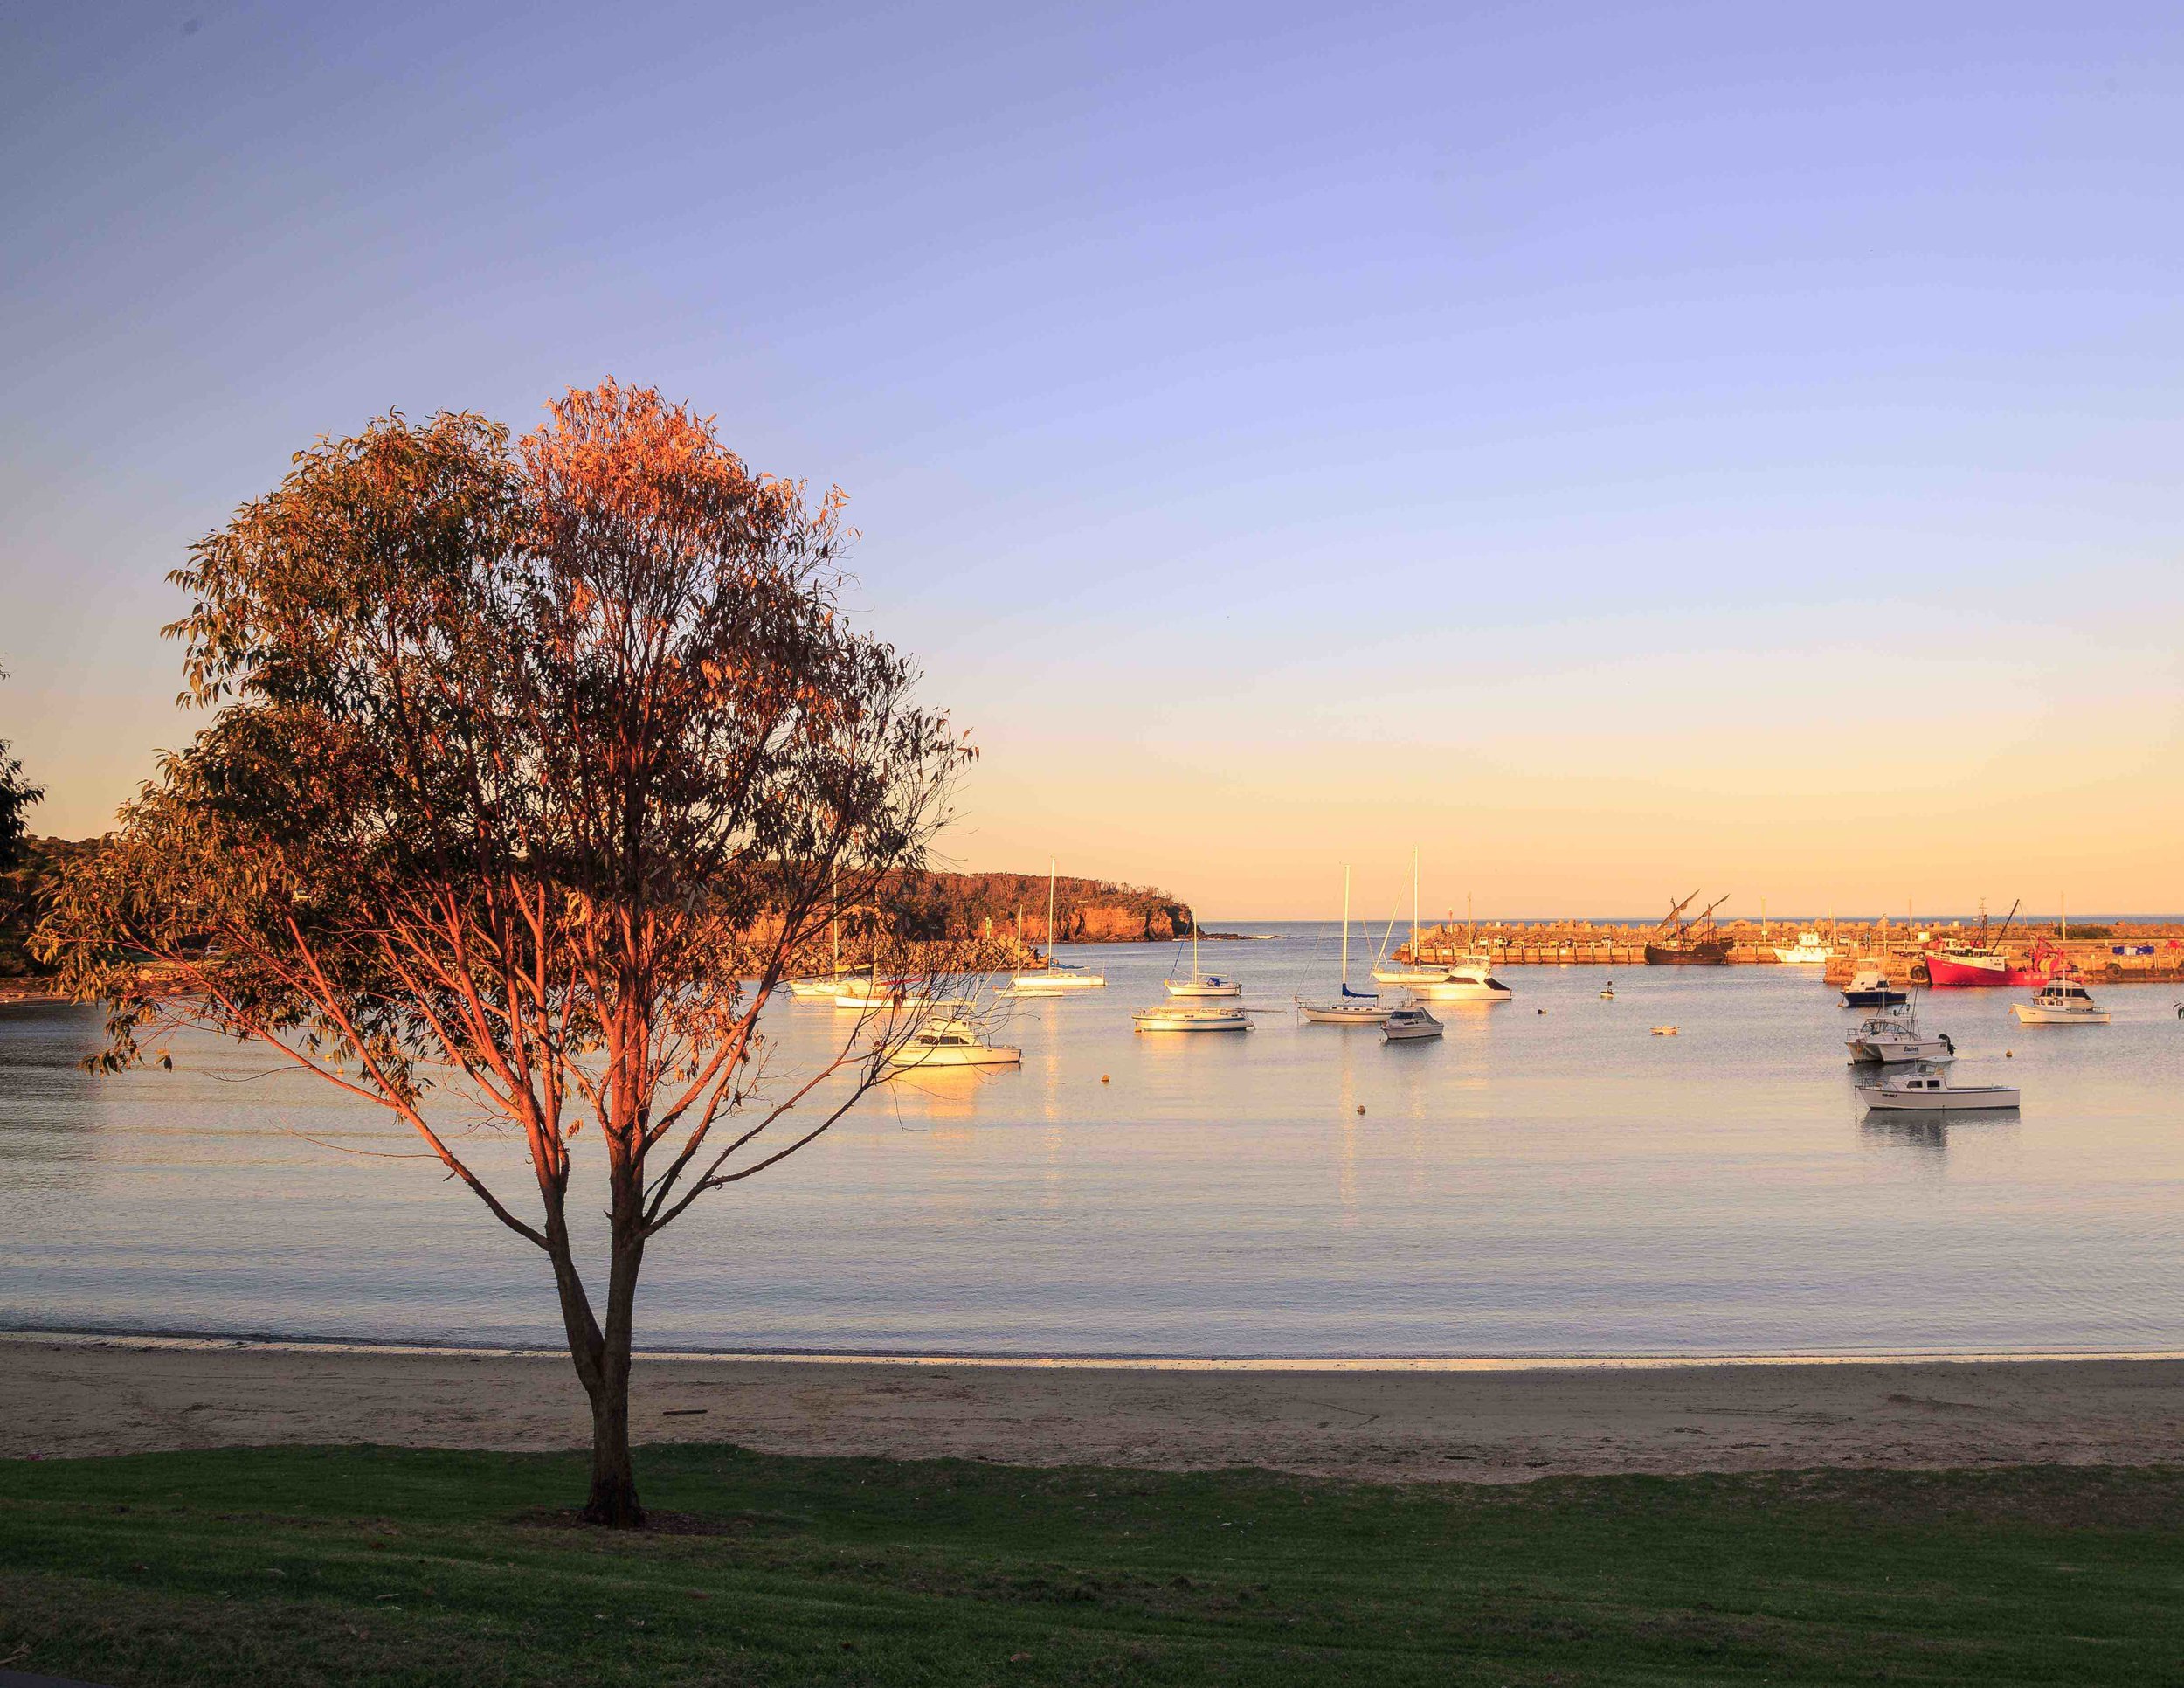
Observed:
{"x":1549,"y":1179}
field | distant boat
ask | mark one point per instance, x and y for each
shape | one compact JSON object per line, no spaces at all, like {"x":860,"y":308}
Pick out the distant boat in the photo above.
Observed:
{"x":1413,"y":974}
{"x":1979,"y":962}
{"x":2061,"y":1002}
{"x":1932,"y":1092}
{"x":865,"y":993}
{"x":1679,"y":943}
{"x":1809,"y":951}
{"x":1868,"y":988}
{"x":1409,"y":1024}
{"x":1350,"y":1007}
{"x":825,"y":989}
{"x":1055,"y":977}
{"x":1188,"y":1017}
{"x":1894,"y":1036}
{"x":1200,"y":984}
{"x":952,"y":1043}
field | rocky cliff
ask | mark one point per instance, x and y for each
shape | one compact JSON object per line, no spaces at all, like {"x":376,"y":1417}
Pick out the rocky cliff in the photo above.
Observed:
{"x":932,"y":905}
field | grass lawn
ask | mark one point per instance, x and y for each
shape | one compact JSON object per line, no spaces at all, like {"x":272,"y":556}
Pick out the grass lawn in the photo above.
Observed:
{"x":376,"y":1565}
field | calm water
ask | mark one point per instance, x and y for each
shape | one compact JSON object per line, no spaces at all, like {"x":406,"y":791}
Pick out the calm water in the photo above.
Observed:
{"x":1535,"y":1184}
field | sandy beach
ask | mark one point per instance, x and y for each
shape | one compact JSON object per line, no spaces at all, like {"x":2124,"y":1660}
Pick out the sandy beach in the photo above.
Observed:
{"x":63,"y":1397}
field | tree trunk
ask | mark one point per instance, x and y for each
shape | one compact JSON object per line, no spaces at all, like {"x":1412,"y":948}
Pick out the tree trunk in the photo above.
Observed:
{"x":613,"y":1500}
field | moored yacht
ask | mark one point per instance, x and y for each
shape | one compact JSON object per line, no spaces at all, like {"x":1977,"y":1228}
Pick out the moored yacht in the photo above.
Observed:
{"x":1408,"y":1025}
{"x":1413,"y":974}
{"x":2061,"y":1002}
{"x":1191,"y":1017}
{"x":1928,"y":1091}
{"x":1471,"y":979}
{"x":1350,"y":1007}
{"x":1868,"y":988}
{"x":952,"y":1043}
{"x":1199,"y":984}
{"x":1056,"y":977}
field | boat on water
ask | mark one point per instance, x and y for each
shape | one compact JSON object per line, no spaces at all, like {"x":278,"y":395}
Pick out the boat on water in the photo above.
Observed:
{"x":2061,"y":1002}
{"x":1893,"y":1036}
{"x":1202,"y":983}
{"x":1470,"y":979}
{"x":1349,"y":1007}
{"x":1191,"y":1017}
{"x":1409,"y":1025}
{"x":1056,"y":978}
{"x":952,"y":1043}
{"x":1694,"y":943}
{"x":866,"y":993}
{"x":1412,"y":974}
{"x":829,"y":985}
{"x":1868,"y":988}
{"x":1809,"y":951}
{"x":1980,"y":961}
{"x":1932,"y":1092}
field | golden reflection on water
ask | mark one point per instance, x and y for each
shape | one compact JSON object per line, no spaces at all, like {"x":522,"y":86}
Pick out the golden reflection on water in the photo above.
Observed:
{"x":1548,"y":1184}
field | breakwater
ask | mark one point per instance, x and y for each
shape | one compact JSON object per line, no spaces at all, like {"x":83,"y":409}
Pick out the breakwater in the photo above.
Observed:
{"x":2149,"y":951}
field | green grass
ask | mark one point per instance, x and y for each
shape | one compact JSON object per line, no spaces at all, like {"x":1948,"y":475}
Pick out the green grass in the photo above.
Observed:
{"x":377,"y":1565}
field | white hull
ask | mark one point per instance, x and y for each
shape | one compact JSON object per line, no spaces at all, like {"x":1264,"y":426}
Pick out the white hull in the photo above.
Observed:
{"x":1464,"y":990}
{"x":1409,"y":975}
{"x":1192,"y":1019}
{"x":1798,"y":956}
{"x":1888,"y":1051}
{"x":1410,"y":1027}
{"x":1212,"y":985}
{"x":2033,"y":1014}
{"x":1344,"y":1014}
{"x":816,"y":989}
{"x":869,"y":1000}
{"x":982,"y":1054}
{"x":1056,"y":982}
{"x":1971,"y":1098}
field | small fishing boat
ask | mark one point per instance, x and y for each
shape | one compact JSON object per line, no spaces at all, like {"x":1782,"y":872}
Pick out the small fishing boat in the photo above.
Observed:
{"x":1609,"y":992}
{"x":1894,"y":1036}
{"x":1184,"y":1017}
{"x":1982,"y":962}
{"x":1350,"y":1007}
{"x":1809,"y":951}
{"x":952,"y":1043}
{"x":1056,"y":978}
{"x":1932,"y":1092}
{"x":1408,"y":1025}
{"x":1868,"y":988}
{"x":1668,"y":1031}
{"x":2061,"y":1002}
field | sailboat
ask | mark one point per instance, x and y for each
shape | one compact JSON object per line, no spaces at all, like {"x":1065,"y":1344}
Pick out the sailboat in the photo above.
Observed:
{"x":830,"y":984}
{"x":1056,"y":977}
{"x":1413,"y":974}
{"x":1200,"y":984}
{"x":1352,"y":1007}
{"x":1471,"y":979}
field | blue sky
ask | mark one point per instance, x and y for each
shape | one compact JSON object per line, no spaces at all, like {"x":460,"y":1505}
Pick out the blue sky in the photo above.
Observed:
{"x":1617,"y":446}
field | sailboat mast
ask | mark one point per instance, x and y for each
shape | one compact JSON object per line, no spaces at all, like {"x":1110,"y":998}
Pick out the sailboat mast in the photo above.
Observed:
{"x":1346,"y":926}
{"x":1050,"y":914}
{"x":1414,"y":905}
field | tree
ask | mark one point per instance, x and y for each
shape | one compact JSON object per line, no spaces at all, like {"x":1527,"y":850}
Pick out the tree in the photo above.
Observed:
{"x":531,"y":772}
{"x":15,"y":796}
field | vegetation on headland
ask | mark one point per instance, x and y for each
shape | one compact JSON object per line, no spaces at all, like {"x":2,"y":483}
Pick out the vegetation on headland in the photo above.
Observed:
{"x":26,"y":886}
{"x":364,"y":1565}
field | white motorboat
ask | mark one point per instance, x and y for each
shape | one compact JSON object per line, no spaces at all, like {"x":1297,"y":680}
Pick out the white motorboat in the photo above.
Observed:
{"x":1894,"y":1036}
{"x":2061,"y":1002}
{"x":952,"y":1043}
{"x":1469,"y":979}
{"x":1186,"y":1017}
{"x":1413,"y":974}
{"x":1350,"y":1007}
{"x":825,"y":988}
{"x":1056,"y":978}
{"x":1407,"y":1025}
{"x":1809,"y":951}
{"x":1199,"y":984}
{"x":1932,"y":1092}
{"x":1868,"y":988}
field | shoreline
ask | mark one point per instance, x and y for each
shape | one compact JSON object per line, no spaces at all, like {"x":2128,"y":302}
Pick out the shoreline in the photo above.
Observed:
{"x":217,"y":1341}
{"x":1477,"y":1420}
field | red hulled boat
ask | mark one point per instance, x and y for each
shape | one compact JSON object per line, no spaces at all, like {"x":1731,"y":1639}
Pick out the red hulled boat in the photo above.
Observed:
{"x":1982,"y":963}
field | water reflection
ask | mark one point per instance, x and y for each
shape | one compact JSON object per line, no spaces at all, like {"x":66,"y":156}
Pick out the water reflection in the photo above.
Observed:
{"x":1528,"y":1183}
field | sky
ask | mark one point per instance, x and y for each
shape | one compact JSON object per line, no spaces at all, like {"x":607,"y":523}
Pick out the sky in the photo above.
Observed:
{"x":1615,"y":448}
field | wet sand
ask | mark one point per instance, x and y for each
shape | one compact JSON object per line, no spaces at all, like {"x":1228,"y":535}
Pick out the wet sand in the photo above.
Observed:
{"x":69,"y":1397}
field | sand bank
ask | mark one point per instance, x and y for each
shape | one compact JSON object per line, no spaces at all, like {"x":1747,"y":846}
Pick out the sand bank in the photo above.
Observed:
{"x":1494,"y":1422}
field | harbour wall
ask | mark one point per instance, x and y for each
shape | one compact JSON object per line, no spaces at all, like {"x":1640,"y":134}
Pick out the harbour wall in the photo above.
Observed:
{"x":1899,"y":949}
